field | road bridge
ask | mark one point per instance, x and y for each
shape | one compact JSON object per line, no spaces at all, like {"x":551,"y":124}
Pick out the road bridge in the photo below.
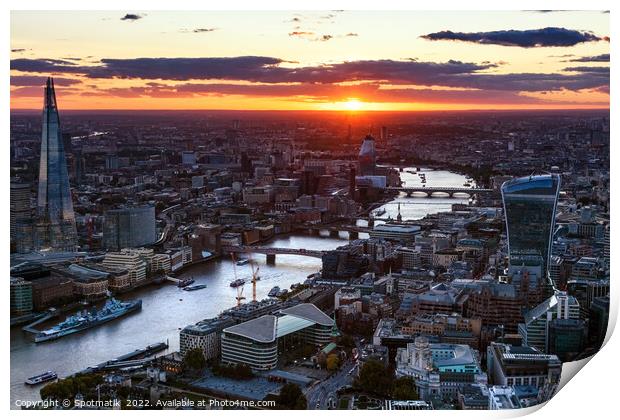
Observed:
{"x":429,"y":191}
{"x":271,"y":252}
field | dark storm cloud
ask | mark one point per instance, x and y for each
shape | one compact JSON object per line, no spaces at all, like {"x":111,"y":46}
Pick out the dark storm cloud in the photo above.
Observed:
{"x":269,"y":70}
{"x":546,"y":37}
{"x":131,"y":17}
{"x":40,"y":81}
{"x":528,"y":82}
{"x":253,"y":69}
{"x":603,"y":58}
{"x":201,"y":30}
{"x":351,"y":34}
{"x":589,"y":69}
{"x":43,"y":65}
{"x":325,"y":38}
{"x":18,"y":50}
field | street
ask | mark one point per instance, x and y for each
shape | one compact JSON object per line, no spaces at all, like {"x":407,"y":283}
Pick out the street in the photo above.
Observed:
{"x":322,"y":396}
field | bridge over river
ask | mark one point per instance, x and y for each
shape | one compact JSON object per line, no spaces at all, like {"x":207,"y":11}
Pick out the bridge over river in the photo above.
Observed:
{"x":271,"y":252}
{"x":429,"y":191}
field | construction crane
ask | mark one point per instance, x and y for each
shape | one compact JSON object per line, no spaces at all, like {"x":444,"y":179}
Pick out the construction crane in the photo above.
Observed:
{"x":240,"y":296}
{"x":254,"y":279}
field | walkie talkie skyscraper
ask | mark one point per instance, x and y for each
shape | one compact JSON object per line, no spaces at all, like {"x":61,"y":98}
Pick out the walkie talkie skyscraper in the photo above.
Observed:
{"x":55,"y":229}
{"x":530,"y":205}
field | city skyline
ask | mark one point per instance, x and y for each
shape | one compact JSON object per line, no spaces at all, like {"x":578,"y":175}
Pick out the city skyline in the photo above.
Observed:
{"x":332,"y":60}
{"x":248,"y":210}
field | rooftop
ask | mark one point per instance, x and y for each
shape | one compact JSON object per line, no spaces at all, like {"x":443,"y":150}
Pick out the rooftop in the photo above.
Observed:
{"x":262,"y":329}
{"x":392,"y":227}
{"x":310,"y":312}
{"x":268,"y":328}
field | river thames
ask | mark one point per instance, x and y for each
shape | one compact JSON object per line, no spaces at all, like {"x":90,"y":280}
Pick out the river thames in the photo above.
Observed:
{"x":166,"y":309}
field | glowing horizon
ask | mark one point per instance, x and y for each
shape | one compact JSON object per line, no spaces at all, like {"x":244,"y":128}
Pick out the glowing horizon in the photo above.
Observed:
{"x":323,"y":61}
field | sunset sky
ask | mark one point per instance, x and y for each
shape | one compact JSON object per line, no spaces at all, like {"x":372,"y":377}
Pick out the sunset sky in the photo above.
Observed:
{"x":332,"y":60}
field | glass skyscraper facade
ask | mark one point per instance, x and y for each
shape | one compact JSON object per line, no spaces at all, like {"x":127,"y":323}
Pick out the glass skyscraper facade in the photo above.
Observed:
{"x":55,"y":230}
{"x":529,"y":206}
{"x":367,"y":156}
{"x":129,"y":227}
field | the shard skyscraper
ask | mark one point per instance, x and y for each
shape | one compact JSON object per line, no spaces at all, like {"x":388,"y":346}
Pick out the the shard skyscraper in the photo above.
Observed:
{"x":55,"y":230}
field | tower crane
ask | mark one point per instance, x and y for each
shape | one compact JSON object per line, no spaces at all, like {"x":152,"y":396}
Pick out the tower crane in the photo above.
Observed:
{"x":240,"y":296}
{"x":254,"y":279}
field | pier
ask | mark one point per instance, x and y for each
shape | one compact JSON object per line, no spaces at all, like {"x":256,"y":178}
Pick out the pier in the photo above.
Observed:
{"x":138,"y":357}
{"x":173,"y":280}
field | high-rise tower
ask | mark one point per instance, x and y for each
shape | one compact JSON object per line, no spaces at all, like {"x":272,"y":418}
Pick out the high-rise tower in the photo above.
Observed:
{"x":529,"y":206}
{"x":55,"y":228}
{"x":367,"y":156}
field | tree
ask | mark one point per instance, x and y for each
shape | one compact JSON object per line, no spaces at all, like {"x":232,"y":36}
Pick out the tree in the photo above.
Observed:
{"x":292,"y":398}
{"x":67,"y":388}
{"x":332,"y":362}
{"x":239,"y":371}
{"x":347,"y":342}
{"x":194,"y":360}
{"x":404,"y":389}
{"x":375,"y":378}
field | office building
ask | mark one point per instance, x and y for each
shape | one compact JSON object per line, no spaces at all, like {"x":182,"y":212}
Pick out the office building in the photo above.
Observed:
{"x":529,"y":207}
{"x":497,"y":304}
{"x":599,"y":318}
{"x":411,"y":257}
{"x":204,"y":335}
{"x":55,"y":228}
{"x":510,"y":365}
{"x":395,"y":232}
{"x":453,"y":328}
{"x":128,"y":260}
{"x":535,"y":329}
{"x":439,"y":369}
{"x":88,"y":283}
{"x":567,"y":338}
{"x":21,"y":296}
{"x":129,"y":227}
{"x":367,"y":156}
{"x":20,"y":205}
{"x":256,"y":343}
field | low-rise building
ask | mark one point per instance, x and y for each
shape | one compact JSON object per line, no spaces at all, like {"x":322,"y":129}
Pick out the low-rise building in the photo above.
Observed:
{"x":510,"y":365}
{"x":503,"y":398}
{"x":396,"y":232}
{"x":204,"y":335}
{"x":128,"y":260}
{"x":438,"y":369}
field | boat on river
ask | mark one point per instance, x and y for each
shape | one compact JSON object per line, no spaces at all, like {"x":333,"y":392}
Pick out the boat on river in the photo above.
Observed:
{"x":44,"y":377}
{"x":84,"y":320}
{"x":194,"y":287}
{"x":237,"y":283}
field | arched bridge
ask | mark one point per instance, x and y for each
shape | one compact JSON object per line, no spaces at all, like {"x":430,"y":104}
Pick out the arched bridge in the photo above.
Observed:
{"x":272,"y":252}
{"x":448,"y":190}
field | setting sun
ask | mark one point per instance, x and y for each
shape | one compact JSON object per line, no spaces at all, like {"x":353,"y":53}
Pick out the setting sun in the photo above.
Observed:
{"x":352,"y":104}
